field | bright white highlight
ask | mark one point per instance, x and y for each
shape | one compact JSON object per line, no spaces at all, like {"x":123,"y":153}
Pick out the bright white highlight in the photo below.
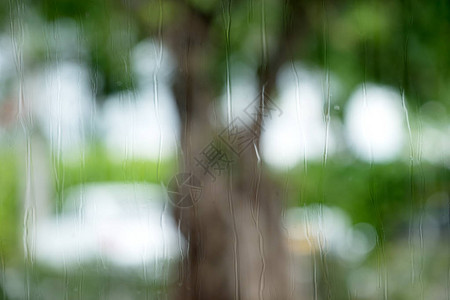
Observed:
{"x":314,"y":227}
{"x":300,"y":131}
{"x":148,"y":59}
{"x":6,"y":61}
{"x":434,"y":133}
{"x":374,"y":123}
{"x":61,"y":100}
{"x":130,"y":126}
{"x":244,"y":93}
{"x":120,"y":224}
{"x":143,"y":124}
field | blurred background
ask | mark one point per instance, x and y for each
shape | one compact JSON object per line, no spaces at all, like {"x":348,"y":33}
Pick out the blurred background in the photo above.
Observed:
{"x":90,"y":136}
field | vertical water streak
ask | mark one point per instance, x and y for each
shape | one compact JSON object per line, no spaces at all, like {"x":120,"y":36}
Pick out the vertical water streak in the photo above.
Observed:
{"x":411,"y":183}
{"x":226,"y":15}
{"x":421,"y":200}
{"x":80,"y":35}
{"x":327,"y":118}
{"x":159,"y":55}
{"x":300,"y":117}
{"x":16,"y":13}
{"x":263,"y":34}
{"x":235,"y":244}
{"x":256,"y":210}
{"x":312,"y":246}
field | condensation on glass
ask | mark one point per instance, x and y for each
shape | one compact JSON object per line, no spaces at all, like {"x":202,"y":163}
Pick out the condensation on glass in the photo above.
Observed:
{"x":224,"y":150}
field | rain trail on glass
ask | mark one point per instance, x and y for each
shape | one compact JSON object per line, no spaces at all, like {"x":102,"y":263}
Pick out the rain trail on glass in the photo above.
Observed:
{"x":17,"y":28}
{"x":82,"y":159}
{"x":226,"y":16}
{"x":416,"y":174}
{"x":363,"y":194}
{"x":322,"y":242}
{"x":264,"y":66}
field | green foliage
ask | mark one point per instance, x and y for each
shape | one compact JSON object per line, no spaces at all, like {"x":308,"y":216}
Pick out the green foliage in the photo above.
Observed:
{"x":98,"y":166}
{"x":9,"y":204}
{"x":402,"y":44}
{"x":382,"y":195}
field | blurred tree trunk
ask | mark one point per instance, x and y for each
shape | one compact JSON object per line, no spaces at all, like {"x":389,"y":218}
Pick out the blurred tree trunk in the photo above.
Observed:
{"x":236,"y":247}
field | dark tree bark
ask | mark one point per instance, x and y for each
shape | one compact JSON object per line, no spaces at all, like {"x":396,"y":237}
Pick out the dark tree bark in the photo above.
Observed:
{"x":236,"y":247}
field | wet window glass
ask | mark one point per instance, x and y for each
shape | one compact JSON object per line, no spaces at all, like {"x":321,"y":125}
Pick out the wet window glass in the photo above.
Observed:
{"x":221,"y":149}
